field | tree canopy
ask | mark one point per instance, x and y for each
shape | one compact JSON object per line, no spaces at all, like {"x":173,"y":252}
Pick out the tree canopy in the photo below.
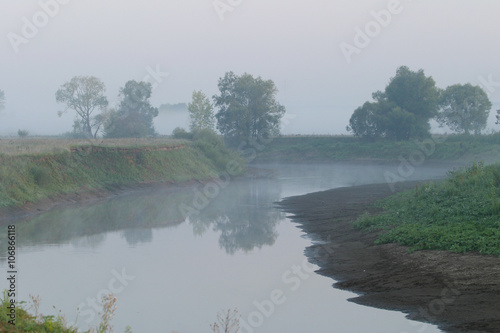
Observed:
{"x":402,"y":111}
{"x":84,"y":95}
{"x":201,"y":112}
{"x":134,"y":116}
{"x":248,"y":108}
{"x":464,"y":108}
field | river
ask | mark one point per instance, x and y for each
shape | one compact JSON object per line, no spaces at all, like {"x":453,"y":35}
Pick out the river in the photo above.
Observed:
{"x":175,"y":257}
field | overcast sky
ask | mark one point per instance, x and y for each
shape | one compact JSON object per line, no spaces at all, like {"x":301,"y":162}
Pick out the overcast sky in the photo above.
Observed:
{"x":325,"y":56}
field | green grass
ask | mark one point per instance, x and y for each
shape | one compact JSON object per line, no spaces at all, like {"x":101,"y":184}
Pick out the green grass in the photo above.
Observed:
{"x":459,"y":214}
{"x":341,"y":148}
{"x":30,"y":178}
{"x":16,"y":318}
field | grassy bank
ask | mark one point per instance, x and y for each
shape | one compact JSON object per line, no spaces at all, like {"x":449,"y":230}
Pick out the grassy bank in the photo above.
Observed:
{"x":459,"y":214}
{"x":28,"y":178}
{"x":341,"y":148}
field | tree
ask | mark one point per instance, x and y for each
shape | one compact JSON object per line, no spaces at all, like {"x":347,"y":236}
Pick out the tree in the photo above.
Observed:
{"x":381,"y":119}
{"x":84,"y":95}
{"x":248,"y":109}
{"x":2,"y":99}
{"x":415,"y":93}
{"x":201,"y":112}
{"x":400,"y":112}
{"x":134,"y":116}
{"x":498,"y":117}
{"x":464,"y":108}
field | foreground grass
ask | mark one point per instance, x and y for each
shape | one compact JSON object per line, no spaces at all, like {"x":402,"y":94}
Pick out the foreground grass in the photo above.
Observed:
{"x":15,"y":318}
{"x":459,"y":214}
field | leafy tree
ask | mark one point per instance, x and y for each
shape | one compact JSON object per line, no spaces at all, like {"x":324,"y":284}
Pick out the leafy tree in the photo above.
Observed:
{"x":248,"y":109}
{"x":84,"y":95}
{"x":464,"y":108}
{"x":2,"y":99}
{"x":381,"y":119}
{"x":201,"y":112}
{"x":400,"y":112}
{"x":498,"y":117}
{"x":134,"y":116}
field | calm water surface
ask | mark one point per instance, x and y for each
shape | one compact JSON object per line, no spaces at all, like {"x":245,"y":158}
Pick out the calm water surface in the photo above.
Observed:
{"x":174,"y":259}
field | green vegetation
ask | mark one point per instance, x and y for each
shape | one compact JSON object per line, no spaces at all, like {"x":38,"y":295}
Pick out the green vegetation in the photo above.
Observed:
{"x":248,"y":109}
{"x":84,"y":95}
{"x":460,"y":214}
{"x":134,"y":116}
{"x":343,"y":148}
{"x":15,"y":318}
{"x":403,"y":110}
{"x":33,"y":177}
{"x":201,"y":114}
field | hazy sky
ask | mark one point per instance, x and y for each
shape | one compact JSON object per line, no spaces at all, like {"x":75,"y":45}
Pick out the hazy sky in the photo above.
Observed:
{"x":297,"y":44}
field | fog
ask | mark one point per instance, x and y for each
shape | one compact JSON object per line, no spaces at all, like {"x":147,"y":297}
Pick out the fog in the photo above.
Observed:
{"x":185,"y":45}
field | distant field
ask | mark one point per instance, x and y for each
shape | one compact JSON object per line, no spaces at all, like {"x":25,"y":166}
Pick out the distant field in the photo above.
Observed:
{"x":18,"y":146}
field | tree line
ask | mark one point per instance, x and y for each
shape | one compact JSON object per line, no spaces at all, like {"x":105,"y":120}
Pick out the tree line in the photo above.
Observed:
{"x":411,"y":99}
{"x":247,"y":108}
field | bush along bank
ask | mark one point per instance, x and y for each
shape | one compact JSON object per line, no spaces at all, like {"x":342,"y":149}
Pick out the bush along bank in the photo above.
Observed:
{"x":459,"y":214}
{"x":31,"y":178}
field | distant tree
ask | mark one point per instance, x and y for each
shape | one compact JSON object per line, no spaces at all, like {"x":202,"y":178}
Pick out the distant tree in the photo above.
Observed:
{"x":400,"y":112}
{"x":134,"y":116}
{"x":248,"y":108}
{"x":178,"y":107}
{"x":84,"y":95}
{"x":201,"y":112}
{"x":22,"y":133}
{"x":2,"y":99}
{"x":464,"y":108}
{"x":498,"y":117}
{"x":181,"y":133}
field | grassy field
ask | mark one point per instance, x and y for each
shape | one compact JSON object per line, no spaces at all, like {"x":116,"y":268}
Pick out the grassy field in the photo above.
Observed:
{"x":44,"y":145}
{"x":341,"y":148}
{"x":459,"y":214}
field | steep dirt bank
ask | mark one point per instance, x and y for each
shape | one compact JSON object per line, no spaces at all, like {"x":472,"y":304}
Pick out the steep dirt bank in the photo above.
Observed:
{"x":458,"y":292}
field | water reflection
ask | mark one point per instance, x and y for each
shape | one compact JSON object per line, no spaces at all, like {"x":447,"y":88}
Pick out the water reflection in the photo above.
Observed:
{"x":241,"y":213}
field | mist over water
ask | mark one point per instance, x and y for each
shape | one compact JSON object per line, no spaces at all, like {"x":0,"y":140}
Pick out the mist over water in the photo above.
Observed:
{"x":176,"y":272}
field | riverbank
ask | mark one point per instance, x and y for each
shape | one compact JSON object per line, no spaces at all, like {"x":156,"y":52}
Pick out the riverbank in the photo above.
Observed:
{"x":439,"y":148}
{"x":457,"y":292}
{"x":32,"y":183}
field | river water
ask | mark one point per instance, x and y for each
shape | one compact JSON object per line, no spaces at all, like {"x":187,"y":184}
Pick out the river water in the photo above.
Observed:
{"x":176,"y":257}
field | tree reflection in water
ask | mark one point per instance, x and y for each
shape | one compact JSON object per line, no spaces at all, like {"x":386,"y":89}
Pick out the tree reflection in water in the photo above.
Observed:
{"x":242,"y":213}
